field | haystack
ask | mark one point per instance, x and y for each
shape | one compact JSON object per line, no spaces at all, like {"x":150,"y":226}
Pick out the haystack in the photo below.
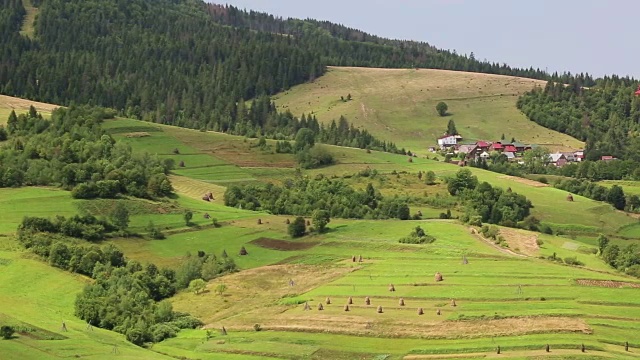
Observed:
{"x":308,"y":223}
{"x":207,"y":216}
{"x":391,"y":287}
{"x":360,"y":258}
{"x":223,"y":331}
{"x":320,"y":307}
{"x":498,"y":350}
{"x":438,"y":277}
{"x":306,"y":306}
{"x":346,"y":308}
{"x":259,"y":221}
{"x":350,"y":300}
{"x":243,"y":251}
{"x":287,"y":221}
{"x":464,"y":260}
{"x":401,"y":302}
{"x":379,"y":309}
{"x":181,"y":164}
{"x":420,"y":311}
{"x":583,"y":349}
{"x":419,"y":213}
{"x":210,"y":195}
{"x":176,"y":151}
{"x":570,"y":197}
{"x":328,"y":301}
{"x":438,"y":312}
{"x":509,"y":189}
{"x":368,"y":151}
{"x":547,"y":348}
{"x":205,"y":197}
{"x":367,"y":301}
{"x":453,"y":303}
{"x":353,"y":258}
{"x":410,"y":160}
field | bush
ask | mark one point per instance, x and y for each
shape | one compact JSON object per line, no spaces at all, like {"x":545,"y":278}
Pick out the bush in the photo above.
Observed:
{"x":417,"y":236}
{"x":6,"y":332}
{"x":257,"y":327}
{"x":297,"y":228}
{"x":573,"y":261}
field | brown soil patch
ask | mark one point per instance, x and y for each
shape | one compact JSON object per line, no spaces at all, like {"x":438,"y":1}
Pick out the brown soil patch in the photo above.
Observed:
{"x":283,"y":245}
{"x":523,"y":181}
{"x":521,"y":241}
{"x":384,"y":325}
{"x":607,"y":283}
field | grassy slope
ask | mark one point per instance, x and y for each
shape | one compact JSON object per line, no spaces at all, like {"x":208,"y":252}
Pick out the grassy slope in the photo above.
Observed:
{"x":40,"y":297}
{"x":8,"y":103}
{"x":399,"y":105}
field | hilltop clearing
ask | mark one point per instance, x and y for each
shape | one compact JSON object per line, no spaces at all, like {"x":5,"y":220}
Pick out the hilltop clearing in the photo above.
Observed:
{"x":399,"y":105}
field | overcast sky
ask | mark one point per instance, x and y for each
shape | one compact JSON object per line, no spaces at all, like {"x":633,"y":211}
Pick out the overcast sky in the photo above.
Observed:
{"x":598,"y":37}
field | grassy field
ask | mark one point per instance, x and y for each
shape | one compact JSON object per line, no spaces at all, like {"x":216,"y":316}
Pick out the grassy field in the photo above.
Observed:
{"x":8,"y":103}
{"x":37,"y":299}
{"x":399,"y":105}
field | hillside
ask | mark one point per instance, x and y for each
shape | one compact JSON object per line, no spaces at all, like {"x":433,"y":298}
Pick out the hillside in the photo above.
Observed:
{"x":399,"y":105}
{"x":8,"y":104}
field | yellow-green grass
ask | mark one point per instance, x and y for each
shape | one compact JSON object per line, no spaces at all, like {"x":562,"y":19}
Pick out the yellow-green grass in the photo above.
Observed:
{"x":492,"y":286}
{"x":8,"y":104}
{"x":15,"y":204}
{"x":399,"y":105}
{"x":628,"y":186}
{"x":39,"y":297}
{"x":28,"y":28}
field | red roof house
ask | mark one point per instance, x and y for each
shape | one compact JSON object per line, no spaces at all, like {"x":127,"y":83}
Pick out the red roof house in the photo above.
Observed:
{"x":496,"y":146}
{"x":638,"y":92}
{"x":483,"y":144}
{"x":607,"y":158}
{"x":510,"y":148}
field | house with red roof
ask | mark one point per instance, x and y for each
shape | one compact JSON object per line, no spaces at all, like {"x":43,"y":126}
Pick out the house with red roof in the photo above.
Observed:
{"x":483,"y":145}
{"x":496,"y":146}
{"x":510,"y":148}
{"x":607,"y":158}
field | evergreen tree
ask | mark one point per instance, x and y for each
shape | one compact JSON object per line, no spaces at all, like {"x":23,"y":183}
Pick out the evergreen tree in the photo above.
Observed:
{"x":451,"y":128}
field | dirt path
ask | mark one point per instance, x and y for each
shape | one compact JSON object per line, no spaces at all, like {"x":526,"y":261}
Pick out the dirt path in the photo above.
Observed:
{"x":478,"y":236}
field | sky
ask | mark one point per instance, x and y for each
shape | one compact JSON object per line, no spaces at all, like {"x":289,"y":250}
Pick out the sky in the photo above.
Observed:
{"x":601,"y":37}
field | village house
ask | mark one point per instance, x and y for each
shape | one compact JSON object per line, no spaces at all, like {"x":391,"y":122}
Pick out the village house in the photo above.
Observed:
{"x":570,"y":156}
{"x":510,"y":156}
{"x":579,"y":155}
{"x":447,"y":141}
{"x":471,"y":150}
{"x":608,"y":158}
{"x":558,"y":159}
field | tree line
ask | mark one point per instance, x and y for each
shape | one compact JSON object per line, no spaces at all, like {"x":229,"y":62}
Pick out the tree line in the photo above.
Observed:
{"x":301,"y":196}
{"x":73,"y":152}
{"x":126,"y":296}
{"x":623,"y":258}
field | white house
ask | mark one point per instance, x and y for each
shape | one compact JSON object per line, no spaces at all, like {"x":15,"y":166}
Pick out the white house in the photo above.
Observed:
{"x":579,"y":155}
{"x":447,"y":141}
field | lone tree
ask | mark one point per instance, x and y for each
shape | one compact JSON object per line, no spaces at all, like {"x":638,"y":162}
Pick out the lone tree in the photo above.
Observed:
{"x":220,"y":289}
{"x":298,"y":227}
{"x":197,"y":286}
{"x":188,"y":215}
{"x":320,"y":220}
{"x":430,"y":178}
{"x":616,"y":197}
{"x":451,"y":128}
{"x":120,"y":216}
{"x":442,"y":108}
{"x":6,"y":332}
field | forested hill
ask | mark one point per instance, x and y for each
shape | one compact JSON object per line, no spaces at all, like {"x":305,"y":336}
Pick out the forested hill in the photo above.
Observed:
{"x":605,"y":116}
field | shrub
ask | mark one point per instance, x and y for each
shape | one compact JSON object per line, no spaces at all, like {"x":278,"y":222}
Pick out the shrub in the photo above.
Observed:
{"x":297,"y":228}
{"x":257,"y":327}
{"x":573,"y":261}
{"x":418,"y":236}
{"x":6,"y":332}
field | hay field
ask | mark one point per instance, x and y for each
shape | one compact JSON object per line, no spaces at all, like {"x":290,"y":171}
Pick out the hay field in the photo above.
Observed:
{"x":8,"y":103}
{"x":399,"y":105}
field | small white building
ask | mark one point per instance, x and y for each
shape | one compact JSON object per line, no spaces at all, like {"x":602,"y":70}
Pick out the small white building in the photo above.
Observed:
{"x":447,"y":141}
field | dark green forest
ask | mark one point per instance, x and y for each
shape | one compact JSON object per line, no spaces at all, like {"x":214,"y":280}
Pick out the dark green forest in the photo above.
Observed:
{"x":605,"y":116}
{"x":192,"y":64}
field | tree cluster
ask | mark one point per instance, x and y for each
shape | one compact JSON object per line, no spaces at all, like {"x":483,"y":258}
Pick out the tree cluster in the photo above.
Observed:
{"x":417,"y":236}
{"x":302,"y":196}
{"x":487,"y":203}
{"x":626,"y":259}
{"x":73,"y":152}
{"x":86,"y":227}
{"x":614,"y":195}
